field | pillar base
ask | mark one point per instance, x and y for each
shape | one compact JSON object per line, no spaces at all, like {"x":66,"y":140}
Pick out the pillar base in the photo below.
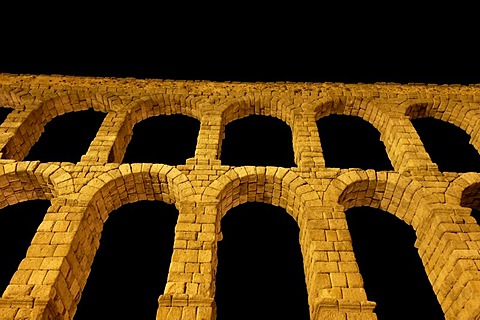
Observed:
{"x":27,"y":308}
{"x":340,"y":309}
{"x":185,"y":307}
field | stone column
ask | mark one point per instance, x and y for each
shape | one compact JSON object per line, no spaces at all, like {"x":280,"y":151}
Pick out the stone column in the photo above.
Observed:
{"x":448,"y":242}
{"x":190,"y":289}
{"x":111,"y":140}
{"x":334,"y":283}
{"x":45,"y":284}
{"x":403,"y":144}
{"x":209,"y":139}
{"x":306,"y":142}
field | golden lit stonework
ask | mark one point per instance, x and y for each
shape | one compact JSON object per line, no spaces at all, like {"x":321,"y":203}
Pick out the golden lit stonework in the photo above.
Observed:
{"x":49,"y":281}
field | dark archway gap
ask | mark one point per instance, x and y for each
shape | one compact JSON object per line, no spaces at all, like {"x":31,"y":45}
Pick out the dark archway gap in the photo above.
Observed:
{"x":66,"y":138}
{"x":351,"y":142}
{"x":257,"y":140}
{"x":166,"y":139}
{"x":447,"y":145}
{"x":260,"y":267}
{"x":476,"y":214}
{"x":131,"y":265}
{"x":4,"y":112}
{"x":393,"y":273}
{"x":18,"y":225}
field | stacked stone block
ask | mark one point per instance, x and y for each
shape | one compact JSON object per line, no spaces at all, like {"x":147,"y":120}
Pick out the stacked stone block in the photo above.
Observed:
{"x":49,"y":281}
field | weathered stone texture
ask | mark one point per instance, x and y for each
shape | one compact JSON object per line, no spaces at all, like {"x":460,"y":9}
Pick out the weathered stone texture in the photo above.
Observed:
{"x":51,"y":277}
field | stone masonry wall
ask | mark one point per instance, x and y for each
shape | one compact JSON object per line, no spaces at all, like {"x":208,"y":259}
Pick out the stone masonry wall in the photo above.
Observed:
{"x":49,"y":280}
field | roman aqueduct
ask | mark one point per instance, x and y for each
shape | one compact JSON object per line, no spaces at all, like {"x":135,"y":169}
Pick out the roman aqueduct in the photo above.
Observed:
{"x":49,"y":281}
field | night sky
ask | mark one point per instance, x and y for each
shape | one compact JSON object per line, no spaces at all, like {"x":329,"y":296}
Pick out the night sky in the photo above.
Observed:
{"x":243,"y":52}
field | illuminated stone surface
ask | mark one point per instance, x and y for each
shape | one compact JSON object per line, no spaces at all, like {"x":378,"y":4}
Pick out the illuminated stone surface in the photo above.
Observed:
{"x":50,"y":279}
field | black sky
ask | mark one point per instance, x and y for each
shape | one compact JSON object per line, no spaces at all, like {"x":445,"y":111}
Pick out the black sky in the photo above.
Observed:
{"x":360,"y":42}
{"x":254,"y":47}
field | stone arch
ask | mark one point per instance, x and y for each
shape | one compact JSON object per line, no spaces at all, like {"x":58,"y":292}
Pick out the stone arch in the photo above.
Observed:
{"x":276,"y":106}
{"x":21,"y":183}
{"x":273,"y":185}
{"x":130,"y":183}
{"x":279,"y":187}
{"x":464,"y":191}
{"x":419,"y":108}
{"x":389,"y":191}
{"x":448,"y":145}
{"x":163,"y":104}
{"x":351,"y":142}
{"x":31,"y":122}
{"x":260,"y":248}
{"x":61,"y":102}
{"x":453,"y":111}
{"x":327,"y":105}
{"x":102,"y":195}
{"x":443,"y":239}
{"x":150,"y":106}
{"x":365,"y":108}
{"x":392,"y":193}
{"x":465,"y":115}
{"x":396,"y":132}
{"x":258,"y":140}
{"x":134,"y":256}
{"x":390,"y":262}
{"x":175,"y":140}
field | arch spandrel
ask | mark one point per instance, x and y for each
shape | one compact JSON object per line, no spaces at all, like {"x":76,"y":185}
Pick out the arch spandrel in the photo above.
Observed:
{"x":30,"y":180}
{"x":155,"y":182}
{"x":144,"y":107}
{"x":278,"y":186}
{"x":14,"y":98}
{"x":388,"y":191}
{"x":63,"y":101}
{"x":266,"y":105}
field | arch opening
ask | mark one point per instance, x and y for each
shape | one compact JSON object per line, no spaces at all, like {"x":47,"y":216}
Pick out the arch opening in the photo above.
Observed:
{"x":18,"y":225}
{"x":351,"y":142}
{"x":67,"y":137}
{"x":257,"y":140}
{"x":260,"y":265}
{"x":471,"y":199}
{"x":131,"y":265}
{"x":476,"y":215}
{"x":4,"y":112}
{"x":166,"y":139}
{"x":447,"y":145}
{"x":394,"y":276}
